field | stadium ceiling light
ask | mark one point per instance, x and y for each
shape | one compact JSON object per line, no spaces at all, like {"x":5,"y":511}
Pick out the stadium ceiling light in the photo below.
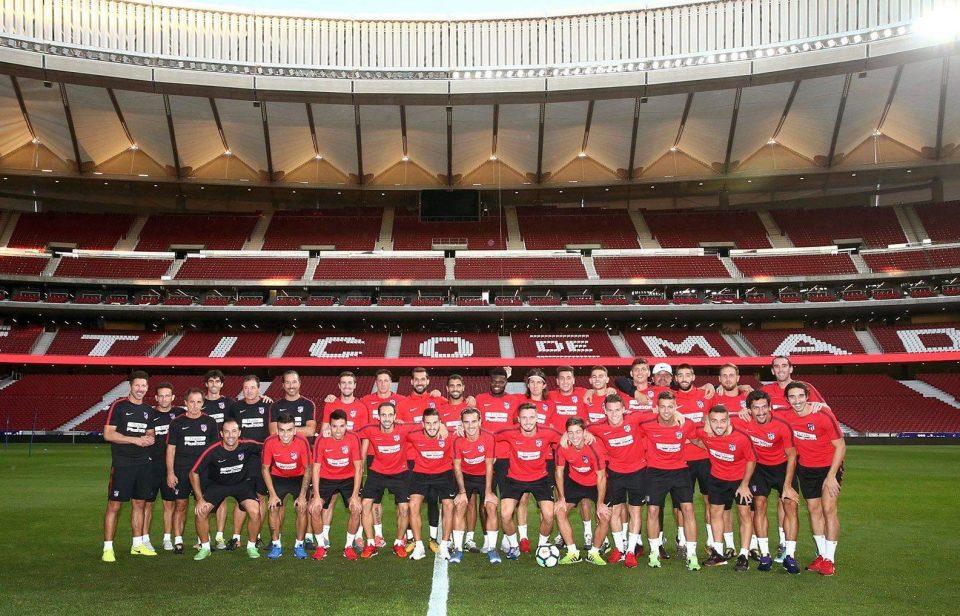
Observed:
{"x":134,"y":147}
{"x":227,"y":153}
{"x":582,"y":155}
{"x":317,"y":157}
{"x":772,"y":142}
{"x":35,"y":141}
{"x":456,"y":74}
{"x":674,"y":148}
{"x":404,"y":158}
{"x":877,"y":133}
{"x":493,"y":157}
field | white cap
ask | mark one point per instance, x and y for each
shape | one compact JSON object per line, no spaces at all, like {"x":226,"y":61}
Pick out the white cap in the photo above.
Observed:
{"x":662,"y":367}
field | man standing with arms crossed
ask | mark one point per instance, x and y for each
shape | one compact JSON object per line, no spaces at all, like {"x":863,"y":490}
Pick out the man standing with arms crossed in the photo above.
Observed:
{"x":131,"y":437}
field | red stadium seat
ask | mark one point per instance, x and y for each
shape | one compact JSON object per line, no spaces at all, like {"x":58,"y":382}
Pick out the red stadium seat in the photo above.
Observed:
{"x":357,"y":230}
{"x":547,"y":228}
{"x":409,"y":233}
{"x":104,"y":343}
{"x":85,"y":231}
{"x":677,"y":343}
{"x":335,"y":344}
{"x":449,"y":345}
{"x":921,"y":338}
{"x":941,"y":220}
{"x":655,"y":267}
{"x":210,"y":231}
{"x":563,"y":344}
{"x":796,"y":265}
{"x":833,"y":341}
{"x":876,"y":226}
{"x":549,"y":268}
{"x":23,"y":265}
{"x":18,"y":339}
{"x":376,"y":268}
{"x":692,"y":229}
{"x":242,"y":268}
{"x":112,"y":267}
{"x":232,"y":343}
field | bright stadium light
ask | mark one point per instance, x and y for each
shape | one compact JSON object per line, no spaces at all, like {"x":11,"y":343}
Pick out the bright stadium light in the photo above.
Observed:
{"x":940,"y":25}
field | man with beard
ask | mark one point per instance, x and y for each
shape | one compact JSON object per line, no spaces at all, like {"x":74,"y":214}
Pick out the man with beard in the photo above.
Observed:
{"x":473,"y":460}
{"x":164,"y":413}
{"x":252,"y":414}
{"x":432,"y":474}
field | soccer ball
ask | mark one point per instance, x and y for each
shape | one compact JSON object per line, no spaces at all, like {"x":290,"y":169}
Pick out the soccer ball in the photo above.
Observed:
{"x":548,"y":555}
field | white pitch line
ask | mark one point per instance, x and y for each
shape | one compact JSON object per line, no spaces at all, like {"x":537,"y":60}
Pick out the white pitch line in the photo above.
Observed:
{"x":440,"y":588}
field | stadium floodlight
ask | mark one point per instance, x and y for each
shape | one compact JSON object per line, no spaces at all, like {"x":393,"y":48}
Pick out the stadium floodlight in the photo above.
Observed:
{"x":227,"y":153}
{"x":456,"y":74}
{"x":317,"y":157}
{"x":940,"y":24}
{"x":134,"y":147}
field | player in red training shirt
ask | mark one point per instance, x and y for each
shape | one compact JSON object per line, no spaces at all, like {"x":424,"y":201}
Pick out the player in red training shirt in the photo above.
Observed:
{"x":455,"y":403}
{"x":782,"y":370}
{"x":692,"y":403}
{"x":473,"y":459}
{"x":667,"y":473}
{"x":358,"y":414}
{"x":776,"y":470}
{"x":733,"y":461}
{"x":820,"y":450}
{"x":286,"y":460}
{"x":431,"y":475}
{"x":337,"y":469}
{"x":581,"y":477}
{"x":386,"y":443}
{"x":529,"y":447}
{"x":382,"y":392}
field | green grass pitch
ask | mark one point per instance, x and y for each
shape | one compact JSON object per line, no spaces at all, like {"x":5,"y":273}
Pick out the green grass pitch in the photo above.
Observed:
{"x":900,"y":538}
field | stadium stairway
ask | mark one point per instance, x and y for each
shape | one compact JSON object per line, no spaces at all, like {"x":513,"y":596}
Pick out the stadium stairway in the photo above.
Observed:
{"x":174,"y":268}
{"x":42,"y":345}
{"x":385,"y":241}
{"x":117,"y":392}
{"x":620,"y":344}
{"x":929,"y":391}
{"x":776,"y":237}
{"x":166,"y":345}
{"x":870,"y":344}
{"x":7,"y":225}
{"x":51,"y":267}
{"x":449,"y":268}
{"x":514,"y":239}
{"x":643,"y":231}
{"x":392,"y":350}
{"x":739,"y":344}
{"x":506,"y":346}
{"x":312,"y":264}
{"x":914,"y":223}
{"x":280,"y":346}
{"x":7,"y":381}
{"x":906,"y":223}
{"x":860,"y":264}
{"x":590,"y":268}
{"x":129,"y":241}
{"x":255,"y":241}
{"x":731,"y":267}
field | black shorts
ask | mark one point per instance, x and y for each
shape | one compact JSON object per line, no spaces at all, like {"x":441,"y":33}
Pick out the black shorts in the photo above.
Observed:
{"x":475,"y":484}
{"x":675,"y":482}
{"x":287,"y":486}
{"x":159,"y":472}
{"x":630,"y":488}
{"x":723,"y":492}
{"x":699,"y":471}
{"x":767,"y":478}
{"x":500,"y":468}
{"x":256,"y":476}
{"x":811,"y":480}
{"x":329,"y":487}
{"x":541,"y":489}
{"x":439,"y":486}
{"x":184,"y":488}
{"x":216,"y":493}
{"x":130,"y":482}
{"x":378,"y":483}
{"x":574,"y":492}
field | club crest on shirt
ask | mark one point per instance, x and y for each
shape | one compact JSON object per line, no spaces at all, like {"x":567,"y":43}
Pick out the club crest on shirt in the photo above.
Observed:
{"x":203,"y":427}
{"x":539,"y":442}
{"x":396,"y":437}
{"x":344,"y":449}
{"x":240,"y":457}
{"x":699,"y":404}
{"x":432,"y":404}
{"x":586,"y":460}
{"x":173,"y":416}
{"x":353,"y":413}
{"x":222,"y":405}
{"x":626,"y":428}
{"x":771,"y":436}
{"x":293,"y":455}
{"x":574,"y":399}
{"x":145,"y":415}
{"x":732,"y":446}
{"x":679,"y":434}
{"x":811,"y":427}
{"x":261,"y":410}
{"x":506,"y":406}
{"x":440,"y":442}
{"x":480,"y":448}
{"x":300,"y":409}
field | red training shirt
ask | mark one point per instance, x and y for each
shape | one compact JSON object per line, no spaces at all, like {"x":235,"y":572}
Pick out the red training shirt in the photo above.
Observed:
{"x":286,"y":460}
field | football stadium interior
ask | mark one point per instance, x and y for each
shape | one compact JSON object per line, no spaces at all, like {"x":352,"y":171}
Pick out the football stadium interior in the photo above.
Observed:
{"x":185,"y":188}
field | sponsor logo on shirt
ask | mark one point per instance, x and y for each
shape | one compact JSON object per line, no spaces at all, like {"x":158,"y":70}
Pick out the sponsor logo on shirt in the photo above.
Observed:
{"x":581,"y":469}
{"x":285,"y":467}
{"x":432,"y":455}
{"x":669,"y":447}
{"x":528,"y":455}
{"x":256,"y":422}
{"x":194,"y":441}
{"x":388,"y":449}
{"x":496,"y":417}
{"x":623,"y":441}
{"x":804,"y":436}
{"x":135,"y":426}
{"x":759,"y":442}
{"x":230,"y":470}
{"x":474,"y":460}
{"x":337,"y":462}
{"x":722,"y":455}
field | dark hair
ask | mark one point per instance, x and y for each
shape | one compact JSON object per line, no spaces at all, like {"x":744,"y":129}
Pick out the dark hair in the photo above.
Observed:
{"x":213,"y":374}
{"x":666,"y":395}
{"x":525,"y":406}
{"x":431,"y":412}
{"x":455,"y":377}
{"x":757,"y":394}
{"x":164,"y":385}
{"x":287,"y":373}
{"x":338,"y":414}
{"x":191,"y":391}
{"x":640,"y":361}
{"x":684,"y":367}
{"x":284,"y":418}
{"x":383,"y":371}
{"x":784,"y":357}
{"x":602,"y":369}
{"x":469,"y":410}
{"x":227,"y":420}
{"x":574,"y":421}
{"x":418,"y":369}
{"x":498,"y":372}
{"x":613,"y":398}
{"x":388,"y":403}
{"x":565,"y":369}
{"x":345,"y":374}
{"x":719,"y":408}
{"x":138,"y":374}
{"x":252,"y":377}
{"x":796,"y":385}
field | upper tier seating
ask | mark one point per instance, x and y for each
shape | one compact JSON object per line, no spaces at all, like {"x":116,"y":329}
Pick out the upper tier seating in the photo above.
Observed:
{"x":913,"y":260}
{"x":832,"y":341}
{"x":112,"y":267}
{"x":564,"y":344}
{"x":22,"y":265}
{"x":357,"y":229}
{"x":242,"y":268}
{"x":448,"y":345}
{"x":86,"y":231}
{"x":796,"y":265}
{"x":18,"y":339}
{"x":231,"y":343}
{"x":409,"y":233}
{"x":683,"y":266}
{"x":376,"y":268}
{"x":906,"y":339}
{"x":47,"y":401}
{"x":876,"y":226}
{"x":691,"y":229}
{"x":547,"y":228}
{"x":103,"y":343}
{"x":336,"y":344}
{"x":551,"y":268}
{"x":941,"y":220}
{"x":211,"y":231}
{"x":676,"y":343}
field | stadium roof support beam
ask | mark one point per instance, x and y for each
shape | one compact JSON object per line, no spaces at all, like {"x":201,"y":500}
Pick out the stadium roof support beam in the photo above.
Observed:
{"x":403,"y":132}
{"x":633,"y":137}
{"x":839,"y":121}
{"x":496,"y":129}
{"x":942,"y":109}
{"x":266,"y":140}
{"x":733,"y":130}
{"x":216,"y":120}
{"x":786,"y":109}
{"x":313,"y":130}
{"x":543,"y":114}
{"x":449,"y":145}
{"x":356,"y":121}
{"x":23,"y":107}
{"x":70,"y":127}
{"x":586,"y":127}
{"x":893,"y":93}
{"x":119,"y":112}
{"x":683,"y":119}
{"x":173,"y":135}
